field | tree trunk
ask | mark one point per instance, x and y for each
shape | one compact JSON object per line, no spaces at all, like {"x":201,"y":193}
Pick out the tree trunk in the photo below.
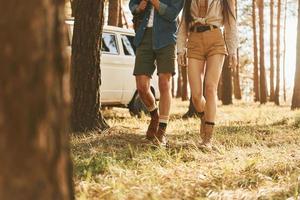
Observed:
{"x":236,"y":75}
{"x":296,"y":92}
{"x":185,"y":95}
{"x":34,"y":104}
{"x":255,"y":54}
{"x":263,"y":81}
{"x":179,"y":85}
{"x":220,"y":87}
{"x":277,"y":89}
{"x":236,"y":80}
{"x":120,"y":21}
{"x":113,"y":13}
{"x":85,"y":71}
{"x":272,"y":95}
{"x":284,"y":51}
{"x":226,"y":83}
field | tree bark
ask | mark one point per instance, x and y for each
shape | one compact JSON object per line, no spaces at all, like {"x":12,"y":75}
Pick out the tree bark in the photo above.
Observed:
{"x":34,"y":104}
{"x":284,"y":51}
{"x":255,"y":54}
{"x":272,"y":92}
{"x":296,"y":92}
{"x":179,"y":85}
{"x":278,"y":48}
{"x":114,"y":12}
{"x":185,"y":95}
{"x":226,"y":84}
{"x":85,"y":71}
{"x":120,"y":21}
{"x":236,"y":75}
{"x":263,"y":81}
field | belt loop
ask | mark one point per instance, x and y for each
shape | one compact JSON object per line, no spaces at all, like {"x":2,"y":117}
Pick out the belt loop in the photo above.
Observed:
{"x":211,"y":27}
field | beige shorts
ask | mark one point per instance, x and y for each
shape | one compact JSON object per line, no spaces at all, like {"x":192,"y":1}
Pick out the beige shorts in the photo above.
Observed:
{"x":205,"y":44}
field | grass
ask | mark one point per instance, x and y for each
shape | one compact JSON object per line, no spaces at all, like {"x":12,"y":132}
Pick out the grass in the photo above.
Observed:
{"x":258,"y":158}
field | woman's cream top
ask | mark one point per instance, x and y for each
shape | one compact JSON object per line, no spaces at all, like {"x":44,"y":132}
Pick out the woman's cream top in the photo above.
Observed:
{"x":214,"y":16}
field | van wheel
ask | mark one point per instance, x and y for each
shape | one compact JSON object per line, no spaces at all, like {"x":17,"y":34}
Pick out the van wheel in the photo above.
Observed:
{"x":137,"y":107}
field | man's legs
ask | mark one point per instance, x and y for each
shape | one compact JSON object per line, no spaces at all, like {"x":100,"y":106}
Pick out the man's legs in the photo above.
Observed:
{"x":165,"y":58}
{"x":165,"y":99}
{"x":143,"y":88}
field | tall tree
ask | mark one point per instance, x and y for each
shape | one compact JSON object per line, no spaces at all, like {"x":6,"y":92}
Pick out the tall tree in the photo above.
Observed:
{"x":284,"y":51}
{"x":278,"y":51}
{"x":236,"y":70}
{"x":34,"y":149}
{"x":272,"y":92}
{"x":255,"y":54}
{"x":263,"y":81}
{"x":121,"y":13}
{"x":85,"y":69}
{"x":184,"y":75}
{"x":179,"y":83}
{"x":114,"y":12}
{"x":226,"y":83}
{"x":296,"y":92}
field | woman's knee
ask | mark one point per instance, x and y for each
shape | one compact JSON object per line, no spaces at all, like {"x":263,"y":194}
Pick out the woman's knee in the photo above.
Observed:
{"x":210,"y":90}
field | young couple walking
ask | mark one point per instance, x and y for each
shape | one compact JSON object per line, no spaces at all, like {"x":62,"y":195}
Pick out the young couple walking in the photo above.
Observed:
{"x":201,"y":47}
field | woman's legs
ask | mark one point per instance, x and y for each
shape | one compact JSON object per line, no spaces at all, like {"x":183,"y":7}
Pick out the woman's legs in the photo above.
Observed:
{"x":196,"y":75}
{"x":213,"y":72}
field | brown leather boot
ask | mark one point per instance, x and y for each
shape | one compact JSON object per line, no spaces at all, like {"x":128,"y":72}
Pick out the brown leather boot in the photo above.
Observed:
{"x":152,"y":128}
{"x":160,"y":138}
{"x":208,"y":129}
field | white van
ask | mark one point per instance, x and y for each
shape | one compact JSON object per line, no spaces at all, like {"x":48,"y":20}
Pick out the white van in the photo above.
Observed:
{"x":117,"y":62}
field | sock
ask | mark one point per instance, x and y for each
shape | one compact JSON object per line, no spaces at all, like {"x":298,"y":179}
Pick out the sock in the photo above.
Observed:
{"x":163,"y":122}
{"x":210,"y":123}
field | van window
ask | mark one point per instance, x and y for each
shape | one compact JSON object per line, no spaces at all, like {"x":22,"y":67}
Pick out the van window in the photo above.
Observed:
{"x":109,"y":44}
{"x":127,"y":42}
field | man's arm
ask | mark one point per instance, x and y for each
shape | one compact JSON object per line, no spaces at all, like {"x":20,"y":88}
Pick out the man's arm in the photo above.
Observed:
{"x":168,"y":12}
{"x":137,"y":6}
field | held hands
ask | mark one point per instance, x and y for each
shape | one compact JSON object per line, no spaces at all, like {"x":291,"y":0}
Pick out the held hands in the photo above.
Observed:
{"x":181,"y":59}
{"x":142,"y":6}
{"x":155,"y":3}
{"x":232,"y":61}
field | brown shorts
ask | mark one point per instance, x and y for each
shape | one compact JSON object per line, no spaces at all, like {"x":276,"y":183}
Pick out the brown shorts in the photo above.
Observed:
{"x":205,"y":44}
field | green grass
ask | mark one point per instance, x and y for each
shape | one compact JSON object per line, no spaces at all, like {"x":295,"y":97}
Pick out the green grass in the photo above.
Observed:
{"x":258,"y":157}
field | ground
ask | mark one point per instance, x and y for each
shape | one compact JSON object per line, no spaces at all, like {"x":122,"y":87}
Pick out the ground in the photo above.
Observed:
{"x":258,"y":157}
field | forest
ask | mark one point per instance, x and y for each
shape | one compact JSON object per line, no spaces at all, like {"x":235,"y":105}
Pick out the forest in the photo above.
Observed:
{"x":73,"y":123}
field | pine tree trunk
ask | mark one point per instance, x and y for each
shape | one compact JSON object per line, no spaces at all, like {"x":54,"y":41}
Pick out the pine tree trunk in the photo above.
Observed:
{"x":34,"y":142}
{"x":277,"y":89}
{"x":236,"y":75}
{"x":85,"y":71}
{"x":179,"y":85}
{"x":263,"y":81}
{"x":236,"y":80}
{"x":113,"y":13}
{"x":296,"y":92}
{"x":284,"y":52}
{"x":226,"y":83}
{"x":272,"y":92}
{"x":185,"y":95}
{"x":255,"y":54}
{"x":120,"y":21}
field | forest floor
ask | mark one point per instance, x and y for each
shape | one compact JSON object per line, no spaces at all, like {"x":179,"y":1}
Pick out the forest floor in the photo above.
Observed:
{"x":258,"y":157}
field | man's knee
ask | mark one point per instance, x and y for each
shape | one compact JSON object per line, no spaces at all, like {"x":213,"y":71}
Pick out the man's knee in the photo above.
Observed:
{"x":165,"y":83}
{"x":142,"y":84}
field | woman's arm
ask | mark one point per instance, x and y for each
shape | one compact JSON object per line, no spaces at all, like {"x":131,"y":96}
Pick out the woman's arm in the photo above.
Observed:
{"x":182,"y":41}
{"x":230,"y":25}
